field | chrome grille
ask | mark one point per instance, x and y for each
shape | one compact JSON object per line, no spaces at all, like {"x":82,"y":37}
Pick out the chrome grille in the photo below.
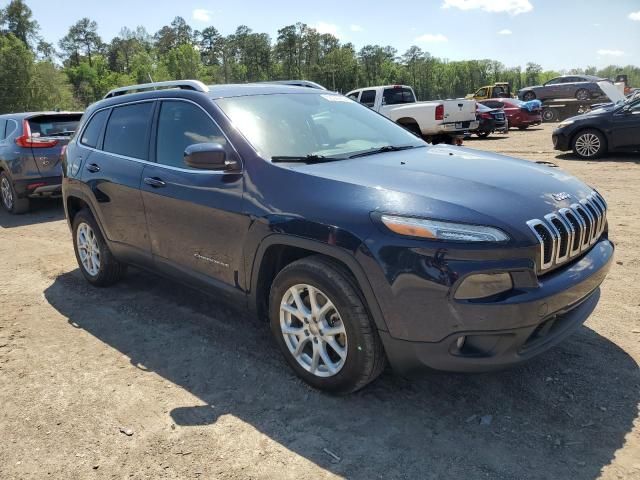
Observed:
{"x":567,"y":233}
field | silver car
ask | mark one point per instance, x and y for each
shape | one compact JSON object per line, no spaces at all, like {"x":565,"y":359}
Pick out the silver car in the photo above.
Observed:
{"x":580,"y":87}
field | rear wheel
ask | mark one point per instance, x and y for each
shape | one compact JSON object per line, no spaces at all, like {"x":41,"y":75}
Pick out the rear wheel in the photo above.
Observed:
{"x":322,"y":326}
{"x":483,"y":133}
{"x":549,"y":115}
{"x":583,"y":94}
{"x":528,"y":96}
{"x":523,"y":127}
{"x":413,"y":128}
{"x":589,"y":144}
{"x":10,"y":201}
{"x":96,"y":261}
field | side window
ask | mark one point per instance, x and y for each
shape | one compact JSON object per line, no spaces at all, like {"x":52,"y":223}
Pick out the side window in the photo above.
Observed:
{"x":127,"y":128}
{"x":354,"y":96}
{"x":482,"y":92}
{"x":554,"y":81}
{"x":368,"y":98}
{"x":181,"y":124}
{"x":91,"y":133}
{"x":3,"y":125}
{"x":12,"y":126}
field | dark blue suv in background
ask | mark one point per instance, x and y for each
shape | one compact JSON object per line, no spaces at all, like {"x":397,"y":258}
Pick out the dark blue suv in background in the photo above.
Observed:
{"x":358,"y":241}
{"x":31,"y":147}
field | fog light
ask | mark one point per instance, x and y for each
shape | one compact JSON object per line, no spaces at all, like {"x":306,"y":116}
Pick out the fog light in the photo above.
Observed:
{"x":483,"y":285}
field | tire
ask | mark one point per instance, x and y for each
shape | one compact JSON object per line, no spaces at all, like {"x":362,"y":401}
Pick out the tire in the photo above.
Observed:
{"x":549,"y":115}
{"x":413,"y":128}
{"x":589,"y":144}
{"x":528,"y":96}
{"x":483,"y":133}
{"x":108,"y":270}
{"x":583,"y":94}
{"x":9,"y":198}
{"x":359,"y":357}
{"x":523,"y":127}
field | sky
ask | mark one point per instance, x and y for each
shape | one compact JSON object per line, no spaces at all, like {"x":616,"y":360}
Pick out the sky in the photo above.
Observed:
{"x":557,"y":34}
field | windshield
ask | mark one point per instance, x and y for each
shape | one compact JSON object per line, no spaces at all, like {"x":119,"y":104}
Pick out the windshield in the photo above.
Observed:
{"x":300,"y":125}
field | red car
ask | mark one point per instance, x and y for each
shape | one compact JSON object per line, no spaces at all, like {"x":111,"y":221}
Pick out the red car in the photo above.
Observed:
{"x":518,"y":116}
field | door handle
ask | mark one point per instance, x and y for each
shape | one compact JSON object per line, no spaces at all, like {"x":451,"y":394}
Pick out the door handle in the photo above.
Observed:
{"x":154,"y":182}
{"x":93,"y":167}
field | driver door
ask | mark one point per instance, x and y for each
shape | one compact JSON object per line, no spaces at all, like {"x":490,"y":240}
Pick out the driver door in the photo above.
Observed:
{"x":195,"y":217}
{"x":626,"y":128}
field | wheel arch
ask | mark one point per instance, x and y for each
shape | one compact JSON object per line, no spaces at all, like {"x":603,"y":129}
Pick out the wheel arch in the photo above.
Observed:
{"x":277,"y":251}
{"x":602,"y":131}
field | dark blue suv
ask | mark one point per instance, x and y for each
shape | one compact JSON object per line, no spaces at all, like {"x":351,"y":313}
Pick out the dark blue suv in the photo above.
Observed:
{"x":357,"y":240}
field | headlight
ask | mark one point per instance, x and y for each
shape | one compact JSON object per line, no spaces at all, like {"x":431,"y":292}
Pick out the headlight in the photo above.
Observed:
{"x":565,"y":123}
{"x":437,"y":230}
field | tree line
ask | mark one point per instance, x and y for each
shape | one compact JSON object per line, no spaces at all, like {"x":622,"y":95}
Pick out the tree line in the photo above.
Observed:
{"x":80,"y":68}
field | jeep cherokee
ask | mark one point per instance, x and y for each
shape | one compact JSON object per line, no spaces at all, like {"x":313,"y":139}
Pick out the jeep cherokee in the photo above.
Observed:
{"x":358,"y":241}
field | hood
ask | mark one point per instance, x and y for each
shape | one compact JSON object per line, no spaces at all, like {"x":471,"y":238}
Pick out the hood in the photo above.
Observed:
{"x":611,"y":91}
{"x":458,"y":184}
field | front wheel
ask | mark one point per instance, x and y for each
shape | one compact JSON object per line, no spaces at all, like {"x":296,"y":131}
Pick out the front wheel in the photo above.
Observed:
{"x":322,"y":326}
{"x":96,"y":261}
{"x":549,"y":115}
{"x":589,"y":144}
{"x":483,"y":133}
{"x":583,"y":94}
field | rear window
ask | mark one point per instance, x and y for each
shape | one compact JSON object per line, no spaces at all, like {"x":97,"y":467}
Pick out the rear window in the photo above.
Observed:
{"x":126,"y":132}
{"x":54,"y":125}
{"x":394,"y":96}
{"x":91,"y":134}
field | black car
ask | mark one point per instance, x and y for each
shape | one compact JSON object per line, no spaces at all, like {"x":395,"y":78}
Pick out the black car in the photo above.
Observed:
{"x":31,"y":146}
{"x":490,"y":120}
{"x":613,"y":127}
{"x":358,"y":241}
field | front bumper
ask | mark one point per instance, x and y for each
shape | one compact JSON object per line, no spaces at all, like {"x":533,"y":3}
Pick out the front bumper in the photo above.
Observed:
{"x":39,"y":187}
{"x":504,"y":333}
{"x":561,"y":141}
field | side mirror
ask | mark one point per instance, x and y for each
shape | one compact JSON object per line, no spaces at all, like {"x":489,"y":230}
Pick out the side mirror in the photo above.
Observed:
{"x":208,"y":156}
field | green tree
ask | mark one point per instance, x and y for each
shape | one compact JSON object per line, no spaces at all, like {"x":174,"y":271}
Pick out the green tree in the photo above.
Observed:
{"x":17,"y":19}
{"x":82,"y":37}
{"x":16,"y":72}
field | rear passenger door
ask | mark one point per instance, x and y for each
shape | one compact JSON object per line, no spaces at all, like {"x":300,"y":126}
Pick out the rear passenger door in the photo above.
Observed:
{"x":626,"y":127}
{"x":113,"y":149}
{"x":195,"y":217}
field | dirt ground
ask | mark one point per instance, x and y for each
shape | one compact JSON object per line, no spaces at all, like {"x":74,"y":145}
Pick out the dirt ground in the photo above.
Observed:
{"x":204,"y":394}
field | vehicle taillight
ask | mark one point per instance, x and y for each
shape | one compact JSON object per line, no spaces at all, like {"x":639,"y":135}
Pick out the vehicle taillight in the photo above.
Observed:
{"x":27,"y":141}
{"x":487,"y":116}
{"x":440,"y":112}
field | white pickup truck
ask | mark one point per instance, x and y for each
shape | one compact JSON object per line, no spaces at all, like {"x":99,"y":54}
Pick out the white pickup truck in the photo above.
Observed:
{"x":438,"y":121}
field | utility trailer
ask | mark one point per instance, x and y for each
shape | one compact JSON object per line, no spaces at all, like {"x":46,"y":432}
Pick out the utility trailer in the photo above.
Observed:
{"x":559,"y":109}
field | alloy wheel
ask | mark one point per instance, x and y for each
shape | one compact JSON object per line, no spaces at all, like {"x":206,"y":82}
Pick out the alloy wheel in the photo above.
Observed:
{"x":587,"y":145}
{"x":313,"y":330}
{"x":7,"y":193}
{"x":88,"y":249}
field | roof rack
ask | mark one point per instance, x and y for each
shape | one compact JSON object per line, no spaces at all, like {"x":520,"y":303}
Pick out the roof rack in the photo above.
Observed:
{"x":194,"y":85}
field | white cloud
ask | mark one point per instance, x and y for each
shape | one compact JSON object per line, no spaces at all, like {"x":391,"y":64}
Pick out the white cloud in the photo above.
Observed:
{"x":513,"y":7}
{"x":356,"y":28}
{"x":505,"y":31}
{"x":432,"y":38}
{"x":610,"y":53}
{"x":323,"y":27}
{"x":635,"y":16}
{"x":201,"y":15}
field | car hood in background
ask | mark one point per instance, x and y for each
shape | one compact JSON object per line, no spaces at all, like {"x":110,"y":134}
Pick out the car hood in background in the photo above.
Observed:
{"x":611,"y":91}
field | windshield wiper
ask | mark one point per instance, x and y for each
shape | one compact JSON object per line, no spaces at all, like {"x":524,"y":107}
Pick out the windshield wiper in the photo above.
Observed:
{"x":386,"y":148}
{"x":304,"y":159}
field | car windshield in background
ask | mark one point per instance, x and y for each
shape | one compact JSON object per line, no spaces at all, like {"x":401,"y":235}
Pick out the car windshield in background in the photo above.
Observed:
{"x":397,"y":95}
{"x":54,"y":125}
{"x":313,"y":125}
{"x":484,"y":108}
